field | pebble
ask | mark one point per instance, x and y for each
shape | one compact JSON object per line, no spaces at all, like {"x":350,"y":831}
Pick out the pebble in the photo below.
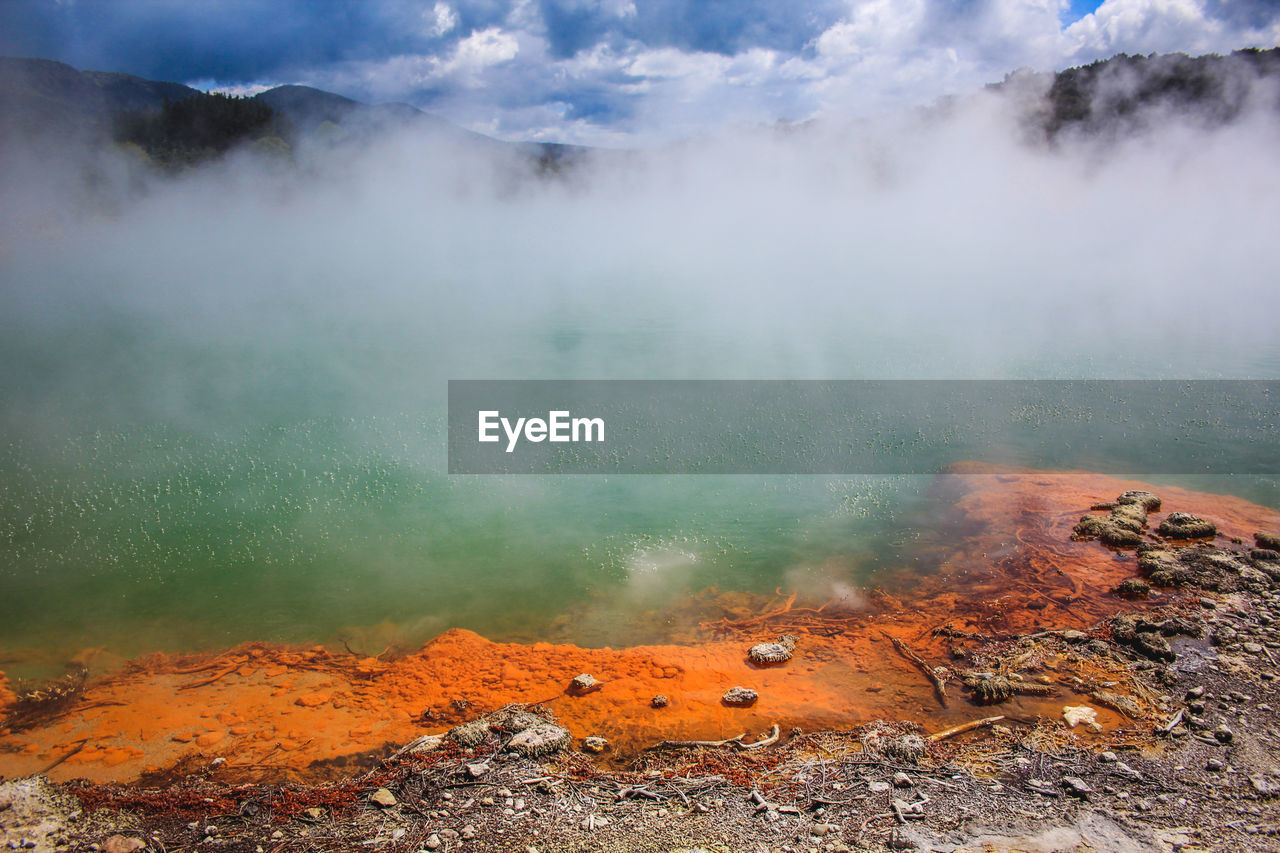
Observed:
{"x":1108,"y":757}
{"x":879,"y":787}
{"x":383,"y":797}
{"x":584,"y":683}
{"x":1215,"y":764}
{"x":1126,"y":770}
{"x":433,"y":842}
{"x":468,"y":832}
{"x":1076,"y":785}
{"x":1224,"y":733}
{"x":475,"y":771}
{"x":901,"y":780}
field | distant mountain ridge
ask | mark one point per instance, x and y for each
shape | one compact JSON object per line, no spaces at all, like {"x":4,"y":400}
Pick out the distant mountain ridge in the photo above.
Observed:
{"x":42,"y":96}
{"x":38,"y":95}
{"x":45,"y":98}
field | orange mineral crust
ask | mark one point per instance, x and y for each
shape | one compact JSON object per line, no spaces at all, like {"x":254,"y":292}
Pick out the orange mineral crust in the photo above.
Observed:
{"x":1000,"y":561}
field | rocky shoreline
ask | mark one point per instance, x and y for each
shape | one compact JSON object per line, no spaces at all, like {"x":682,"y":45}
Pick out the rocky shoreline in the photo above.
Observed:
{"x":1164,"y":736}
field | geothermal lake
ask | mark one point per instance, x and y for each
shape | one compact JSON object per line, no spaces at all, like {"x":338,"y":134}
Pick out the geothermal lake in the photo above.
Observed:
{"x":222,"y":410}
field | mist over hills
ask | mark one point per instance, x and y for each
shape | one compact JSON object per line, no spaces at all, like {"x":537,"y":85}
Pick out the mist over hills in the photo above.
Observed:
{"x":1123,"y":93}
{"x":44,"y":99}
{"x":76,"y":143}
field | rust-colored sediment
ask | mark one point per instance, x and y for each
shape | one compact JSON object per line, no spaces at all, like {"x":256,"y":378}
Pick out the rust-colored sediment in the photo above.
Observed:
{"x":1003,"y":562}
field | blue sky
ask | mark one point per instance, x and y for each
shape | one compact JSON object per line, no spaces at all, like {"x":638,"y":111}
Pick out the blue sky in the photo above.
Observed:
{"x":620,"y":71}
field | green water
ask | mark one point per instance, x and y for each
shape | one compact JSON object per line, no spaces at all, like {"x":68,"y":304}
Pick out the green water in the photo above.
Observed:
{"x":222,"y":412}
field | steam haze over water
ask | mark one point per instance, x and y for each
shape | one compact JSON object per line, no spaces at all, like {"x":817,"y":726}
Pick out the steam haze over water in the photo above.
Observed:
{"x":223,"y":396}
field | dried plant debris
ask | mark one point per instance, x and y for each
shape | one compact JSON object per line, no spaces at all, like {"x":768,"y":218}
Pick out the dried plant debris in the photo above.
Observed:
{"x":40,"y":705}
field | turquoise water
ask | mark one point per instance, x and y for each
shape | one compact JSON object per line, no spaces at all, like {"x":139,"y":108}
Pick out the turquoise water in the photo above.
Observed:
{"x":222,"y":411}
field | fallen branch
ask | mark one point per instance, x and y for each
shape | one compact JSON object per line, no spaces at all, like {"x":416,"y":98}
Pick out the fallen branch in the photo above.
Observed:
{"x":939,"y":683}
{"x":963,"y":727}
{"x":737,"y":742}
{"x":1173,"y":722}
{"x":770,"y":740}
{"x":682,"y":744}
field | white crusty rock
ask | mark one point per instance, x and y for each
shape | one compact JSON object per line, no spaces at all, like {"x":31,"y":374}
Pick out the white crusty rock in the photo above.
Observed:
{"x":542,"y":739}
{"x":775,"y":652}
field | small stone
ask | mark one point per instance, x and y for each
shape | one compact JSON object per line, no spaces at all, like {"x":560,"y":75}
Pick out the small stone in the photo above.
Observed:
{"x":1196,"y":692}
{"x":122,"y":844}
{"x":314,"y":813}
{"x":901,"y":780}
{"x":1216,"y":765}
{"x":433,"y":842}
{"x":583,"y":684}
{"x":1125,"y":770}
{"x":475,"y":771}
{"x":1108,"y":757}
{"x":1224,"y":733}
{"x":312,"y":700}
{"x":1074,"y":636}
{"x":1077,"y":786}
{"x":660,"y":701}
{"x":468,"y":832}
{"x":1264,"y":786}
{"x":878,"y":787}
{"x":383,"y":797}
{"x":1077,"y":714}
{"x":1132,"y":588}
{"x":595,"y":744}
{"x":740,"y":696}
{"x":821,"y":829}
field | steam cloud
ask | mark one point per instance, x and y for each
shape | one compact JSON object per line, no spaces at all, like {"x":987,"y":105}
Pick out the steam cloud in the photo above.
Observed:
{"x":350,"y":287}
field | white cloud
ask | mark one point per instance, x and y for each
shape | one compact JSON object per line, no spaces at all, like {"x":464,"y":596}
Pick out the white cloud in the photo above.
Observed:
{"x":880,"y":56}
{"x":440,"y":19}
{"x":1144,"y":26}
{"x":482,"y":49}
{"x":871,"y":27}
